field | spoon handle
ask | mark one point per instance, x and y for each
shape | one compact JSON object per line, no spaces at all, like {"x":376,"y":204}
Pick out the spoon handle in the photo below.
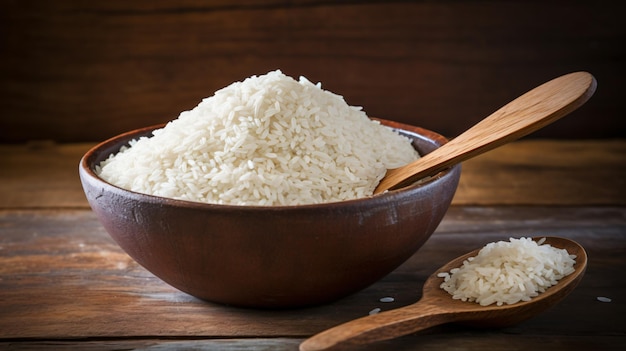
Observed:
{"x":524,"y":115}
{"x":381,"y":326}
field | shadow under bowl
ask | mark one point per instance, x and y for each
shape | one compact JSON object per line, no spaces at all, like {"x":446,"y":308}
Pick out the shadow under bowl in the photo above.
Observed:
{"x":270,"y":256}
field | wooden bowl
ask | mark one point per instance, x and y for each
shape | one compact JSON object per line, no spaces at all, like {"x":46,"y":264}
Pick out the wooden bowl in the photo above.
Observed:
{"x":270,"y":256}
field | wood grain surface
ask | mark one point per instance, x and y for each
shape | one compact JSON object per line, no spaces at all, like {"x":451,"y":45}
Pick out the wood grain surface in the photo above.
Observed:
{"x":87,"y":70}
{"x":65,"y":284}
{"x":64,"y":278}
{"x":529,"y":172}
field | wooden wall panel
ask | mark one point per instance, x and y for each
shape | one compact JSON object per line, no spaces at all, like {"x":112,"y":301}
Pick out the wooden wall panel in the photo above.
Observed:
{"x":86,"y":70}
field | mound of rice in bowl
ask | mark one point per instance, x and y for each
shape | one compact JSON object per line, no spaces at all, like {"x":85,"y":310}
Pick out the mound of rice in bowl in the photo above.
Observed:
{"x":268,"y":140}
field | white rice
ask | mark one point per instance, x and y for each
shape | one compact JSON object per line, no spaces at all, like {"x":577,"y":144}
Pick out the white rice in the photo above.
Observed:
{"x":268,"y":140}
{"x":508,"y":272}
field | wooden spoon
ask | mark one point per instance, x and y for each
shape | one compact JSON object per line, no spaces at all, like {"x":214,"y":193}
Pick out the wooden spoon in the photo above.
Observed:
{"x":438,"y":307}
{"x":524,"y":115}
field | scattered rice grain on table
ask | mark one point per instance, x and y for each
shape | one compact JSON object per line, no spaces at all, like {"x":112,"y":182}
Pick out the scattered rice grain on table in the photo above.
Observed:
{"x":374,"y":311}
{"x":268,"y":140}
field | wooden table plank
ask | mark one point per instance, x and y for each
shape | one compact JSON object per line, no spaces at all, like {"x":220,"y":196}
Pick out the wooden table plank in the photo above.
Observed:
{"x":62,"y":277}
{"x":529,"y":172}
{"x":546,"y":172}
{"x":433,"y":341}
{"x":41,"y":175}
{"x":64,"y":283}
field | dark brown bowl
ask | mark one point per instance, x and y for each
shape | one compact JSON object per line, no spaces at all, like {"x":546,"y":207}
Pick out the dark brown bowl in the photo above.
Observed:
{"x":270,"y":257}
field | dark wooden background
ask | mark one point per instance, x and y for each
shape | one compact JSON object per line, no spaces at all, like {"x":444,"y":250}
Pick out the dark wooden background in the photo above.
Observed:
{"x":75,"y":70}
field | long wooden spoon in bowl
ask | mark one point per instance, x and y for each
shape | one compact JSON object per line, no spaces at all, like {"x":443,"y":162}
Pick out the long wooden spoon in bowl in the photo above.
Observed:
{"x":438,"y":307}
{"x":524,"y":115}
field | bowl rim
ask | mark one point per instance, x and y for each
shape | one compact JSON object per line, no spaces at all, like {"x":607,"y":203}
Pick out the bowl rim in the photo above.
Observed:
{"x":89,"y":158}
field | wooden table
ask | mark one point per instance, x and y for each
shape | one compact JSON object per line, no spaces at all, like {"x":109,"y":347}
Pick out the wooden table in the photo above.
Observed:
{"x":65,"y":284}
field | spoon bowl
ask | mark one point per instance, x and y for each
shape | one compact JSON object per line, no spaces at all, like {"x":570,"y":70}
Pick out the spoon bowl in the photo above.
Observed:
{"x":438,"y":307}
